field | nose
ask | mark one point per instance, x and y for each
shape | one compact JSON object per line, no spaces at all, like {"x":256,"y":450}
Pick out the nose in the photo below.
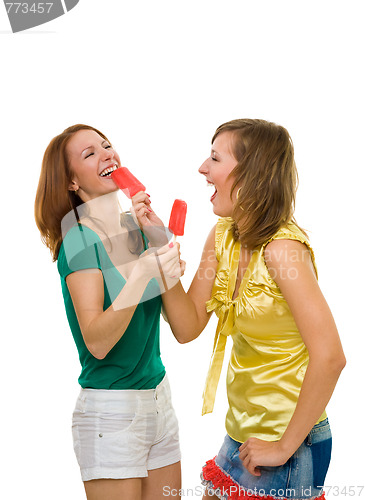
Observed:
{"x":107,"y":154}
{"x":203,"y":169}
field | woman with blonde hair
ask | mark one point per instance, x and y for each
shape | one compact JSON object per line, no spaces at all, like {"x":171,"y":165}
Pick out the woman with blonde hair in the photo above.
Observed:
{"x":124,"y":427}
{"x":258,"y":274}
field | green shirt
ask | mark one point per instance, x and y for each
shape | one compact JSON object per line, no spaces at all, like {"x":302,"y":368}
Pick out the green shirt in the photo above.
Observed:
{"x":134,"y":362}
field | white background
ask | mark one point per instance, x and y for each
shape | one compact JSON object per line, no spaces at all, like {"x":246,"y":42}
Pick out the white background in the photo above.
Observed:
{"x":157,"y":77}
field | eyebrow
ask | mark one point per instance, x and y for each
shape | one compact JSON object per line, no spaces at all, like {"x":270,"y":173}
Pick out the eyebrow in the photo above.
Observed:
{"x":89,"y":147}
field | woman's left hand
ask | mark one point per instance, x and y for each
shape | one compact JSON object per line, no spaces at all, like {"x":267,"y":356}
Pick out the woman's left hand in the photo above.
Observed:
{"x":255,"y":452}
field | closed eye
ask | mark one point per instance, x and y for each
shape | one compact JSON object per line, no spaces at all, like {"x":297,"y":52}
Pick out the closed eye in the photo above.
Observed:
{"x":90,"y":154}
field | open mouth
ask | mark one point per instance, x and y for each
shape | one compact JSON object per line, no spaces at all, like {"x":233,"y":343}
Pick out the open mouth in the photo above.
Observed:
{"x":210,"y":184}
{"x":107,"y":171}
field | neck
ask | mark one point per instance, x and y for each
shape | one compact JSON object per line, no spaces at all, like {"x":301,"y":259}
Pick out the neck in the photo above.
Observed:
{"x":105,"y":210}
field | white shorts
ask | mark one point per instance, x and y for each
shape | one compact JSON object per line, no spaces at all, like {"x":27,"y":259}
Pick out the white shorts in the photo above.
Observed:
{"x":121,"y":434}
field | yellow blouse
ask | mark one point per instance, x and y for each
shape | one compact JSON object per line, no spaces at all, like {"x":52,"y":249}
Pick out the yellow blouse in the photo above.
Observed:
{"x":269,"y":358}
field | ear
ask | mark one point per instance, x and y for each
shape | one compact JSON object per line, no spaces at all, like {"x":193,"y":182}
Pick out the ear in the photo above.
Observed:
{"x":73,"y":186}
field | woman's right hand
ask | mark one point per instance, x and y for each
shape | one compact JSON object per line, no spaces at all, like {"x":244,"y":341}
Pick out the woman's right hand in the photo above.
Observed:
{"x":148,"y":221}
{"x":141,"y":204}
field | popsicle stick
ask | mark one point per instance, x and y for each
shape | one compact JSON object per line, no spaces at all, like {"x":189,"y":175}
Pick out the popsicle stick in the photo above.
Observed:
{"x":161,"y":271}
{"x":174,"y":239}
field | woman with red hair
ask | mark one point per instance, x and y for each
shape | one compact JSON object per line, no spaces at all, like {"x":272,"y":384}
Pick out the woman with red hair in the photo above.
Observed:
{"x":124,"y":427}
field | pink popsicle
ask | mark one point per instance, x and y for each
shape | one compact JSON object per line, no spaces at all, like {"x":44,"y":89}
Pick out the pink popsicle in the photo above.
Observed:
{"x":126,"y":181}
{"x":177,"y":217}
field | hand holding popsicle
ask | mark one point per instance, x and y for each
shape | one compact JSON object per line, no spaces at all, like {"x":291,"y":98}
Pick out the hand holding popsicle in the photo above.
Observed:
{"x":126,"y":181}
{"x":177,"y":218}
{"x":148,"y":221}
{"x":163,"y":263}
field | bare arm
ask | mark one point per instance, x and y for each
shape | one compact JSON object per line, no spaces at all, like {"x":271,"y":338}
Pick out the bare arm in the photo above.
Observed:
{"x":101,"y":329}
{"x":186,"y":312}
{"x":298,"y":284}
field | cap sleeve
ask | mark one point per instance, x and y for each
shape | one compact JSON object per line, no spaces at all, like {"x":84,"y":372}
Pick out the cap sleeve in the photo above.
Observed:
{"x":292,"y":232}
{"x":80,"y":249}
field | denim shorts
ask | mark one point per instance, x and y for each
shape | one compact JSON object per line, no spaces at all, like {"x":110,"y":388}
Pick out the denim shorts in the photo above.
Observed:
{"x":120,"y":434}
{"x":301,"y":477}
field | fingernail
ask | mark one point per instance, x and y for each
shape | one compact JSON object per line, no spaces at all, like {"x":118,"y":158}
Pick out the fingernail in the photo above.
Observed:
{"x":149,"y":209}
{"x":148,"y":195}
{"x":171,"y":245}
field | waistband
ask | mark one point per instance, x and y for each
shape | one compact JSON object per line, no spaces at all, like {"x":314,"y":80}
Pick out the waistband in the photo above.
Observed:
{"x":105,"y":400}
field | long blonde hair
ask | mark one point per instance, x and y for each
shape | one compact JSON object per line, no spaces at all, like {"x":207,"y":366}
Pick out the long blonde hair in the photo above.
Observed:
{"x":267,"y":178}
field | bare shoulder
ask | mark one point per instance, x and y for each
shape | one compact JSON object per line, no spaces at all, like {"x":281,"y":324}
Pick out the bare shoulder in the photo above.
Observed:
{"x":287,"y":258}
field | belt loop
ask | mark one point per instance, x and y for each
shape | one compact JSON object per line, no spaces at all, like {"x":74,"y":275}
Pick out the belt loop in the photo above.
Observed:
{"x":309,"y":439}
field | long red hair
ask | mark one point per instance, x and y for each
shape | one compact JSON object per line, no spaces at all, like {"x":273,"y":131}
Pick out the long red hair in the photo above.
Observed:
{"x":54,"y":199}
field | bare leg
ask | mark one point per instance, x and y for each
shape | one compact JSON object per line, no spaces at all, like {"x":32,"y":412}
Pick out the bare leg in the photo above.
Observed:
{"x":113,"y":489}
{"x":162,"y":483}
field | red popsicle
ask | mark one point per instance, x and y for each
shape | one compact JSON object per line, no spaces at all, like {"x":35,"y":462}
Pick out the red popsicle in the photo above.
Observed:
{"x":177,"y":218}
{"x":126,"y":181}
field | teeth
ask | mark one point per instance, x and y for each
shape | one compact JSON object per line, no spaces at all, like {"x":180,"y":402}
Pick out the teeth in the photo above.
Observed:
{"x":108,"y":171}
